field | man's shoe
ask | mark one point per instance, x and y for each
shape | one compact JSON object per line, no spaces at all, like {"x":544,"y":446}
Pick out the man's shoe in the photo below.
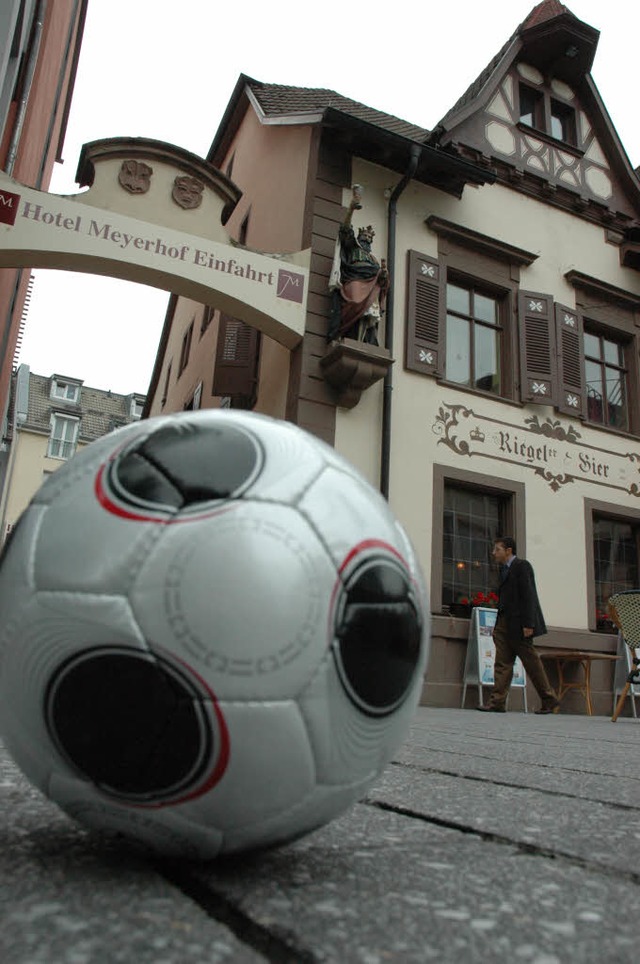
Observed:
{"x":547,"y":708}
{"x":491,"y":708}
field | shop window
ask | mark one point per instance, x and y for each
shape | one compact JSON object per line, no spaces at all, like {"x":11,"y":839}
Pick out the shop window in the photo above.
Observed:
{"x":472,"y":520}
{"x":469,"y":512}
{"x":63,"y":436}
{"x":615,"y":563}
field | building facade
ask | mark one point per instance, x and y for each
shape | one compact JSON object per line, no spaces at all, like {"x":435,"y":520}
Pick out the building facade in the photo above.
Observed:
{"x":39,"y":50}
{"x":51,"y":418}
{"x":503,"y":395}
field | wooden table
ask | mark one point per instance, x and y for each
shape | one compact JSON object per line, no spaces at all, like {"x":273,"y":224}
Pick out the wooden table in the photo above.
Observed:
{"x":563,"y":658}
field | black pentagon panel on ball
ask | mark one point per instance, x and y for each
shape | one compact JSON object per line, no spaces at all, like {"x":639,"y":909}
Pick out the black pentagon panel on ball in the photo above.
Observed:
{"x":184,"y":465}
{"x":129,"y":723}
{"x":378,"y":636}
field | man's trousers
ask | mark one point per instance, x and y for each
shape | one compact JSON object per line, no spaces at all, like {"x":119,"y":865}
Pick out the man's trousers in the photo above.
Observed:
{"x":507,"y":649}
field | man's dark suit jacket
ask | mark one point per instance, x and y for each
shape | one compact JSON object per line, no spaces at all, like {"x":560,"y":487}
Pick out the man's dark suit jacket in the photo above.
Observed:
{"x":518,"y":600}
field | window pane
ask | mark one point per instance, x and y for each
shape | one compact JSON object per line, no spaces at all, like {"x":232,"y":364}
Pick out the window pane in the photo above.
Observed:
{"x":458,"y":299}
{"x":617,"y":415}
{"x":458,"y":360}
{"x":528,"y":106}
{"x":591,"y":345}
{"x":595,"y":410}
{"x":487,"y":367}
{"x":563,"y":124}
{"x":485,"y":309}
{"x":612,"y":352}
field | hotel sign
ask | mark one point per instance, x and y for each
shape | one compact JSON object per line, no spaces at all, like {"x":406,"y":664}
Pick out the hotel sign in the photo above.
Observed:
{"x":46,"y":230}
{"x":553,"y":451}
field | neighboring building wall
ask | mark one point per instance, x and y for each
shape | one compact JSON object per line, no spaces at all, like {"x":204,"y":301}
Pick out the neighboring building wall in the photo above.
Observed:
{"x":270,"y":217}
{"x":51,"y":35}
{"x":30,"y":461}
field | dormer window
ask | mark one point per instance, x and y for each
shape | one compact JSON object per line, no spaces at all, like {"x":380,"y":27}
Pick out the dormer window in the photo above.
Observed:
{"x":64,"y":390}
{"x":136,"y":405}
{"x":547,"y":114}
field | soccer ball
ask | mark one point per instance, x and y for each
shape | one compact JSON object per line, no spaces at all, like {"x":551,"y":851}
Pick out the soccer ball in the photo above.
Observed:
{"x":214,"y":634}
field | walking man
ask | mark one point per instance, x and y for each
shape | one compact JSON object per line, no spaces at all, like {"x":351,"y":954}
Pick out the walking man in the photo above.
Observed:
{"x":519,"y":620}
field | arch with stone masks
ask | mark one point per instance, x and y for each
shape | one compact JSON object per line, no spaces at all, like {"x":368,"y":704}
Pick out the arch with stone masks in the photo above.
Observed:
{"x":155,"y":214}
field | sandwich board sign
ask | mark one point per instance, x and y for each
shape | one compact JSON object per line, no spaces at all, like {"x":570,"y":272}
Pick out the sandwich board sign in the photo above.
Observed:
{"x":481,"y":654}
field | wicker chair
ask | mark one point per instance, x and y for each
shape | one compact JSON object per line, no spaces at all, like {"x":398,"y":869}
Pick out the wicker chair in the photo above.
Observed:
{"x":624,"y":610}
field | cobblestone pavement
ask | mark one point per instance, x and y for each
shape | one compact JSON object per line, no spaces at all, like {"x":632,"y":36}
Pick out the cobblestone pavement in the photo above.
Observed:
{"x":495,"y":838}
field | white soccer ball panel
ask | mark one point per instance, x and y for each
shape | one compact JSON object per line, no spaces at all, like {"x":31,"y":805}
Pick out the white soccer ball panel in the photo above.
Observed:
{"x":164,"y":831}
{"x":251,"y":615}
{"x":347,"y":512}
{"x":269,"y":771}
{"x":81,"y":547}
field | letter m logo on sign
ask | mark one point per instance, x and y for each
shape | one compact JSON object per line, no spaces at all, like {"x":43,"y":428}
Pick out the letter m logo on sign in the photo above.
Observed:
{"x":8,"y":207}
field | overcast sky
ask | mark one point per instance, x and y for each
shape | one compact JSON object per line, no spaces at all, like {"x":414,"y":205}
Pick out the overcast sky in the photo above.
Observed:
{"x":167,"y":71}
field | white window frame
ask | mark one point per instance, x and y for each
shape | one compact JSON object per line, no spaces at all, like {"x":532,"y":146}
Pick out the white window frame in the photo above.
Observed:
{"x":64,"y":390}
{"x":60,"y":446}
{"x":137,"y":405}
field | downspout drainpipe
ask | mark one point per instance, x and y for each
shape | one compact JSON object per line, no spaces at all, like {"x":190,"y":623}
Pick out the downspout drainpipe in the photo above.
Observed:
{"x":21,"y":113}
{"x":385,"y":445}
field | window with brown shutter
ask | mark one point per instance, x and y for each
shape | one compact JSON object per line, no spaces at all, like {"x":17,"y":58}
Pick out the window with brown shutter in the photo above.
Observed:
{"x":571,"y":398}
{"x":459,"y":321}
{"x":236,"y":366}
{"x":537,"y":348}
{"x":609,"y":350}
{"x":423,"y":347}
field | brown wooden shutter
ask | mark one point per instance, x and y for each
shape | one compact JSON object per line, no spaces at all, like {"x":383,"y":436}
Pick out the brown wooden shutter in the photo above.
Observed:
{"x":236,"y":368}
{"x":537,"y":348}
{"x":571,"y":377}
{"x":423,"y":345}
